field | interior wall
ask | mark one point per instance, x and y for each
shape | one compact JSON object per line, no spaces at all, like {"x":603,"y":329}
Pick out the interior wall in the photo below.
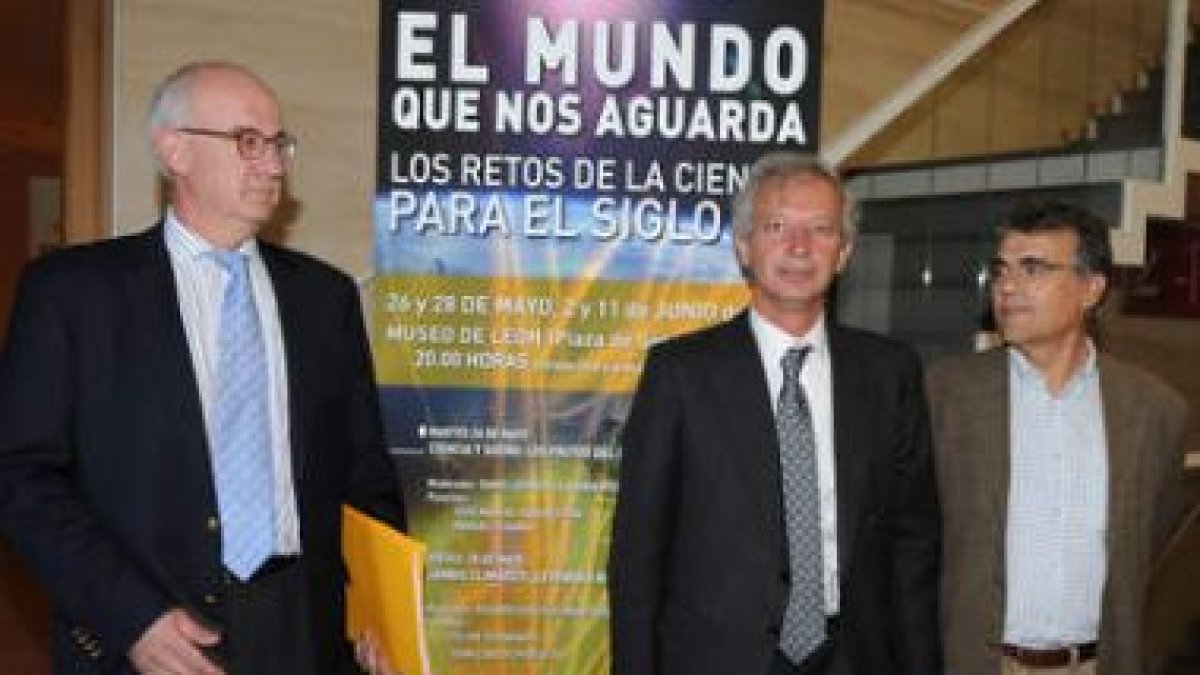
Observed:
{"x":320,"y":58}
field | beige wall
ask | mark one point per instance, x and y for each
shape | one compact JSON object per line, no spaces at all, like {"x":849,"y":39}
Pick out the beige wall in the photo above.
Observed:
{"x":320,"y":57}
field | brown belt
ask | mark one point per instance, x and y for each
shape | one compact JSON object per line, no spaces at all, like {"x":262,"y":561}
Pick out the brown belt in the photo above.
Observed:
{"x":1049,"y":658}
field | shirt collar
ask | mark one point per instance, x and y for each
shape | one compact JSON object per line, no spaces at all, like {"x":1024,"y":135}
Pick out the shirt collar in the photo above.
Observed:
{"x":773,"y":341}
{"x":183,"y":239}
{"x":1023,"y":369}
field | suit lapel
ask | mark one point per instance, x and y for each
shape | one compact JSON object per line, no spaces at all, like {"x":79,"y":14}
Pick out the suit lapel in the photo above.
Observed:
{"x":851,"y":391}
{"x":1120,"y":428}
{"x":995,"y":461}
{"x":157,"y":327}
{"x":740,"y":383}
{"x":288,"y":300}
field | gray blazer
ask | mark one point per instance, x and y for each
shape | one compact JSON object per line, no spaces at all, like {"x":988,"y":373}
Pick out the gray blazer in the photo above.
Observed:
{"x":1145,"y":422}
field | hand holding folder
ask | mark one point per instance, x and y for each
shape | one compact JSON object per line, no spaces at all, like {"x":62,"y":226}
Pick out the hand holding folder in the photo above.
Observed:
{"x":384,"y":594}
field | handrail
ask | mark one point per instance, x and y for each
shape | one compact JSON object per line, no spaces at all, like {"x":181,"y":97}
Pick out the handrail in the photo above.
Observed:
{"x":921,"y":83}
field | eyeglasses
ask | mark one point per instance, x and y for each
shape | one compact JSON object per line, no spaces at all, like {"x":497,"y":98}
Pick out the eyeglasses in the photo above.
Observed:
{"x":251,"y":143}
{"x":1029,"y":269}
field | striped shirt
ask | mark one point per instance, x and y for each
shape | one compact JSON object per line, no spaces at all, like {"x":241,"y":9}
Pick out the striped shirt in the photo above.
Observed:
{"x":200,"y":284}
{"x":1057,"y":508}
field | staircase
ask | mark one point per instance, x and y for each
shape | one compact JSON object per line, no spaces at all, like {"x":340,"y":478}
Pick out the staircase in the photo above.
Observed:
{"x":926,"y":227}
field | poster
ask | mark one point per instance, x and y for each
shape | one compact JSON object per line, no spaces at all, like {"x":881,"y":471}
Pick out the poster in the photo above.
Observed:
{"x":553,"y":196}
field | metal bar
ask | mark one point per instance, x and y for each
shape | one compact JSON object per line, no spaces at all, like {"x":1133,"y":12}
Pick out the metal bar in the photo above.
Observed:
{"x":1174,"y":58}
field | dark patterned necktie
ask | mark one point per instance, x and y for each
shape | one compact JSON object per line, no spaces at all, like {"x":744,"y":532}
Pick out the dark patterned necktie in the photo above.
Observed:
{"x":803,"y":627}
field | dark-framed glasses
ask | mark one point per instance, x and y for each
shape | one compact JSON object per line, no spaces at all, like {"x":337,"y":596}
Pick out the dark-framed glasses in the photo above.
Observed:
{"x":1027,"y":269}
{"x":251,"y":143}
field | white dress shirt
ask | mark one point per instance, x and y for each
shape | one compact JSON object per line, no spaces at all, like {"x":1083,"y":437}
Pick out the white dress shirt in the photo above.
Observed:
{"x":816,"y":379}
{"x":1055,"y":558}
{"x":200,"y":283}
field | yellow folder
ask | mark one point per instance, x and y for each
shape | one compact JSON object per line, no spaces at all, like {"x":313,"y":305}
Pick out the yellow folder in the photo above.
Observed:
{"x":384,"y":594}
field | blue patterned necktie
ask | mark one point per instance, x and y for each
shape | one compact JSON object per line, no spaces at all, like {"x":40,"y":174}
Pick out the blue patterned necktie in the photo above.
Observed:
{"x":803,"y":627}
{"x":241,"y":453}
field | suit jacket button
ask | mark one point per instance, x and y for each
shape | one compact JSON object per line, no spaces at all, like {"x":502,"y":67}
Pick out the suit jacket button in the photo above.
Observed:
{"x":785,"y":577}
{"x":210,"y":599}
{"x":773,"y":630}
{"x":213,"y":524}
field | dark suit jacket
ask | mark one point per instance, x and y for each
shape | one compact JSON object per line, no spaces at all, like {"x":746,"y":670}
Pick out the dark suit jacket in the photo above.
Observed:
{"x":698,"y":570}
{"x":105,"y":482}
{"x":1144,"y":421}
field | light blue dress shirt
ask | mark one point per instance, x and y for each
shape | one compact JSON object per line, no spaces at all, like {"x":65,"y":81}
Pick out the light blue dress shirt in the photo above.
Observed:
{"x":1057,"y":508}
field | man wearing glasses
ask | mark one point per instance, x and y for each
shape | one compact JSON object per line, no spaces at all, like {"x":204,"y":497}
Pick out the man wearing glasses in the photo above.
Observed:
{"x":1059,"y":468}
{"x":183,"y":411}
{"x":777,"y":513}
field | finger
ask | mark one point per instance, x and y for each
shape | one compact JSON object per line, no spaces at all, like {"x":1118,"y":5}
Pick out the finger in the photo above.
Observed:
{"x":185,"y":657}
{"x":369,"y":653}
{"x":360,"y":650}
{"x":194,"y":631}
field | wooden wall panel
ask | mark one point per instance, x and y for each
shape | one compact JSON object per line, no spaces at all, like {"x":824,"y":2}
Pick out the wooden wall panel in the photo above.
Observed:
{"x":1016,"y":120}
{"x":962,"y":117}
{"x":873,"y":46}
{"x":86,"y":197}
{"x":910,"y":135}
{"x":1115,"y":54}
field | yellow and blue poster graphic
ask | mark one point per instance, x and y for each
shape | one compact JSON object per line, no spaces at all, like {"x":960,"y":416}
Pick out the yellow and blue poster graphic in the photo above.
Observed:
{"x":554,"y":195}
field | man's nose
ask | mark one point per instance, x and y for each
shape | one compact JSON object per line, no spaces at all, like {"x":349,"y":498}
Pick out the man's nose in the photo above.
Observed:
{"x":1004,"y":284}
{"x":799,"y":240}
{"x":272,"y":161}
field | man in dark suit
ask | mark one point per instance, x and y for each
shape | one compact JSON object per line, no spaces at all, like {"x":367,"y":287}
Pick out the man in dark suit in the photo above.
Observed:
{"x":725,"y":557}
{"x":1060,"y":468}
{"x":123,"y":420}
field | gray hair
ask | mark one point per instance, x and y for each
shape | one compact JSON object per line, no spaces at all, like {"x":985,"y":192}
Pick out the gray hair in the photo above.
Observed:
{"x":778,"y":165}
{"x":171,"y":101}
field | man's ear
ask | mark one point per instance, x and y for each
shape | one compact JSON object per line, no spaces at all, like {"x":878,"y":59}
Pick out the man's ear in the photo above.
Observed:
{"x":1096,"y":285}
{"x":845,"y":253}
{"x":171,"y":150}
{"x":739,"y":250}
